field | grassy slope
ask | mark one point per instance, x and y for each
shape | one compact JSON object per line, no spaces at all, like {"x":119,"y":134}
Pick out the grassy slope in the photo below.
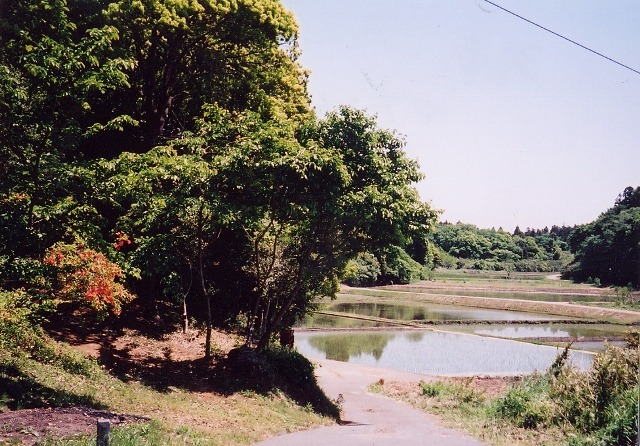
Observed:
{"x":181,"y":417}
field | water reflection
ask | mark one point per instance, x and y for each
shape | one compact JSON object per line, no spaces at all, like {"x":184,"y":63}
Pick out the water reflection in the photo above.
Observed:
{"x":545,"y":331}
{"x":341,"y":347}
{"x":597,"y":346}
{"x":414,"y":336}
{"x":328,"y":321}
{"x":432,"y":312}
{"x":433,"y":352}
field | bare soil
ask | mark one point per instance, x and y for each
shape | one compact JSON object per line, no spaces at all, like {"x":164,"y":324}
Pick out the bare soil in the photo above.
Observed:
{"x":488,"y":386}
{"x":30,"y":426}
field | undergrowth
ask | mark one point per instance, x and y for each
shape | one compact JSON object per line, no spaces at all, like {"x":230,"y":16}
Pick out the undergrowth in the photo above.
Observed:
{"x":564,"y":406}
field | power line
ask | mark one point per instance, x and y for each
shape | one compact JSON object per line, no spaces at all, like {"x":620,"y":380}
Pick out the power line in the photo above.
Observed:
{"x":569,"y":40}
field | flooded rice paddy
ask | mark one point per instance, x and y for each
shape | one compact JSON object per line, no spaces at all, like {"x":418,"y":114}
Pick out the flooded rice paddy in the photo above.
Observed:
{"x":469,"y":341}
{"x":538,"y":296}
{"x":434,"y":352}
{"x":548,"y":331}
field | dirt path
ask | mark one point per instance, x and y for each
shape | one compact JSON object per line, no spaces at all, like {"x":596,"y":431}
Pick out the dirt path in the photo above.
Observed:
{"x":371,"y":419}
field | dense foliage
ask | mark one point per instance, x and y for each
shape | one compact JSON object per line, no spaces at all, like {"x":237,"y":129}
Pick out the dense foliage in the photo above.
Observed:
{"x":608,"y":249}
{"x":466,"y":246}
{"x":167,"y":149}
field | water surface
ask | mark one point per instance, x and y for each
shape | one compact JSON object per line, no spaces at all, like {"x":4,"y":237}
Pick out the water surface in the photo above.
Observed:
{"x":329,"y":321}
{"x":433,"y":352}
{"x":538,"y":296}
{"x":543,"y":331}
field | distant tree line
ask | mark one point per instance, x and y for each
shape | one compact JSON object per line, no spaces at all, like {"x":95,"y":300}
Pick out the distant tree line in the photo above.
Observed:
{"x":604,"y":252}
{"x":607,"y":250}
{"x":465,"y":246}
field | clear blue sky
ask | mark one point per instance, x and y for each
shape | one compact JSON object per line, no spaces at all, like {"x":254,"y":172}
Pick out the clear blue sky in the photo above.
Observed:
{"x":511,"y":125}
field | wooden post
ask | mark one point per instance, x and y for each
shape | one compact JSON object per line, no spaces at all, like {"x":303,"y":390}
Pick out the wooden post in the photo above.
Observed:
{"x":104,"y":431}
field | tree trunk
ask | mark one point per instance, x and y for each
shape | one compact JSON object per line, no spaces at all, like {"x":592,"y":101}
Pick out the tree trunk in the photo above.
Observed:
{"x":207,"y":345}
{"x":185,"y":316}
{"x":271,"y":325}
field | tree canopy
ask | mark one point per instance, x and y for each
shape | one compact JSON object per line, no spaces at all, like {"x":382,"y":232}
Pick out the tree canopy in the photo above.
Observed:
{"x":466,"y":246}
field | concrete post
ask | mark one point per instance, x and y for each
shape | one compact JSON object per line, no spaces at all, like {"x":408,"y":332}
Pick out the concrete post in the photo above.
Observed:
{"x":104,"y":431}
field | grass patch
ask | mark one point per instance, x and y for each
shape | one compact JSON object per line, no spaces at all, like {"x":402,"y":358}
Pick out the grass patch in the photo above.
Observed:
{"x":209,"y":418}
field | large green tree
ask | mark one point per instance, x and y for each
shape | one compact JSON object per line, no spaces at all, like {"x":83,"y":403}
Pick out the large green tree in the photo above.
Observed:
{"x":83,"y":80}
{"x":349,"y":190}
{"x":176,"y":137}
{"x":609,"y":247}
{"x":292,"y":203}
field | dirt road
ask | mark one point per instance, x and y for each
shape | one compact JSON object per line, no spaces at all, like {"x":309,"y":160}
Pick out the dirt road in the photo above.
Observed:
{"x":371,"y":419}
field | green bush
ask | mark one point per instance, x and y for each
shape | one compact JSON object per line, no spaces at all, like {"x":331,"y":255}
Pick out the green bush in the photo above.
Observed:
{"x":362,"y":271}
{"x":447,"y":260}
{"x":398,"y":267}
{"x":599,"y":406}
{"x":458,"y":392}
{"x":432,"y":389}
{"x":588,"y":400}
{"x":282,"y":362}
{"x":525,"y":405}
{"x":19,"y":330}
{"x":534,"y":266}
{"x":293,"y":373}
{"x":21,"y":334}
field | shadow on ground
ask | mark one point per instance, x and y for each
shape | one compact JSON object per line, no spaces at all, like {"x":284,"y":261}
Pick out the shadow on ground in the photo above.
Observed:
{"x":20,"y":391}
{"x":276,"y":371}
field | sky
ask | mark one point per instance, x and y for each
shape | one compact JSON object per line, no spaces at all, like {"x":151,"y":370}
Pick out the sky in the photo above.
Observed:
{"x":512,"y":126}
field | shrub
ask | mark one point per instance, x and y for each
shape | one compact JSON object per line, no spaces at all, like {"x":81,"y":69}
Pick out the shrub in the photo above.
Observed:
{"x":362,"y":271}
{"x":533,"y":266}
{"x":601,"y":402}
{"x":292,"y":372}
{"x":18,"y":328}
{"x":432,"y":389}
{"x":447,"y":260}
{"x":398,"y":267}
{"x":452,"y":391}
{"x":88,"y":277}
{"x":21,"y":334}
